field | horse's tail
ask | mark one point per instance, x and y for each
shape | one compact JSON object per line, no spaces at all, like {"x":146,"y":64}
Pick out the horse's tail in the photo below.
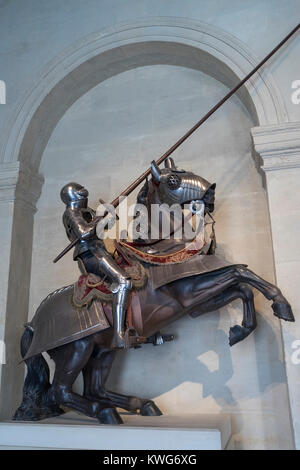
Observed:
{"x":36,"y":403}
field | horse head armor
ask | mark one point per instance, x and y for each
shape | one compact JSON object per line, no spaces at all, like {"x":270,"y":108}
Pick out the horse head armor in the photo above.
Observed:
{"x":176,"y":186}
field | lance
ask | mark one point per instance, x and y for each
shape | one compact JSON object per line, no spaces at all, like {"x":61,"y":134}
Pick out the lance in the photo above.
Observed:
{"x":146,"y":173}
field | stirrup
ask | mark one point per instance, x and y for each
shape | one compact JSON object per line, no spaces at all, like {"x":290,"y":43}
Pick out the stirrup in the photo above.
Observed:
{"x":157,"y":339}
{"x":132,"y":338}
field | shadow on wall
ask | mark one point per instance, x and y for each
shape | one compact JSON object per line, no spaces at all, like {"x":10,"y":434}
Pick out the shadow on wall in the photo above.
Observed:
{"x":213,"y":374}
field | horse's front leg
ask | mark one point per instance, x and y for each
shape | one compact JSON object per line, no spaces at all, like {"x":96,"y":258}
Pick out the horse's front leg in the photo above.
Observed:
{"x":240,"y":291}
{"x":95,"y":375}
{"x":280,"y":305}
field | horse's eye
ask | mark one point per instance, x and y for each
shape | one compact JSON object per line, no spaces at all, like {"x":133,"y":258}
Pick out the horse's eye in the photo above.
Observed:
{"x":174,"y":181}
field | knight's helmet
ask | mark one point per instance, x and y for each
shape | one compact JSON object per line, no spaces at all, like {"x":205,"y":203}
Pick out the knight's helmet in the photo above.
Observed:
{"x":176,"y":186}
{"x":74,"y":195}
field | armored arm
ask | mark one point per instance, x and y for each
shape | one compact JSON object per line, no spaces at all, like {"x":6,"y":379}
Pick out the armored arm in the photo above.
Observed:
{"x":77,"y":226}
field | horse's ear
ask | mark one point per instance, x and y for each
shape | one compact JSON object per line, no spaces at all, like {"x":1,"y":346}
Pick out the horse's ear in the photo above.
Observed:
{"x":155,"y":172}
{"x":169,"y":163}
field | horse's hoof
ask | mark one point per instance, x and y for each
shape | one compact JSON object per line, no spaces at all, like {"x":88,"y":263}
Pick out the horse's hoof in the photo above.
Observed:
{"x":150,"y":409}
{"x":238,"y":333}
{"x":109,"y":416}
{"x":36,"y":414}
{"x":283,"y":310}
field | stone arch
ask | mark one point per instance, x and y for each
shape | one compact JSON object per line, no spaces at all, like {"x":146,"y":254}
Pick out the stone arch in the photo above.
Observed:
{"x":146,"y":42}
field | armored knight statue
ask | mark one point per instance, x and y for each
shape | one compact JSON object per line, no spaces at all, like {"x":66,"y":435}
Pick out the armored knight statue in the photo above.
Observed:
{"x":181,"y":279}
{"x":90,"y":250}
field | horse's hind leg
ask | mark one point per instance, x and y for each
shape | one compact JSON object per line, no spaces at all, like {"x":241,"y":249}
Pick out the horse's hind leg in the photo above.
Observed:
{"x":70,"y":360}
{"x":239,"y":291}
{"x":280,"y":305}
{"x":95,"y":375}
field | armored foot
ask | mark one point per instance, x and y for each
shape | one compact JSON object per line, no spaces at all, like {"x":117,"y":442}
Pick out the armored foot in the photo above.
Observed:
{"x":127,"y":340}
{"x":118,"y":341}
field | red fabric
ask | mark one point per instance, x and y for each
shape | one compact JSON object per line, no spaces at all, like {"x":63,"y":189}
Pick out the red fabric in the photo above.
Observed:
{"x":82,"y":282}
{"x":177,"y":257}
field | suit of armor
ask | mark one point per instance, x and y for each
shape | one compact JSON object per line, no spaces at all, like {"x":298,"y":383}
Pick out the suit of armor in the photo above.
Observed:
{"x":78,"y":222}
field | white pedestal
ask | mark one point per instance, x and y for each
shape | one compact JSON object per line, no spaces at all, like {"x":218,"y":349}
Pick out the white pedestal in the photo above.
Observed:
{"x":72,"y":431}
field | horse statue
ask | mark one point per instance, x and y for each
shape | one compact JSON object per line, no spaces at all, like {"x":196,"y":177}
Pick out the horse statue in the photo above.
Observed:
{"x":171,"y":278}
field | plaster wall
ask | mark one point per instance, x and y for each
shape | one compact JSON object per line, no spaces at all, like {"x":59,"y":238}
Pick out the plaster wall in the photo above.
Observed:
{"x":33,"y":32}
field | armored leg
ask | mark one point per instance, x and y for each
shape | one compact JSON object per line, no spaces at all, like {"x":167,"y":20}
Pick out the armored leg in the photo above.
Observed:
{"x":103,"y":264}
{"x":120,"y":305}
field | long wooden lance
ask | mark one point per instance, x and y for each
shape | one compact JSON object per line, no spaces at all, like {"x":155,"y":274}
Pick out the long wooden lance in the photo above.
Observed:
{"x":146,"y":173}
